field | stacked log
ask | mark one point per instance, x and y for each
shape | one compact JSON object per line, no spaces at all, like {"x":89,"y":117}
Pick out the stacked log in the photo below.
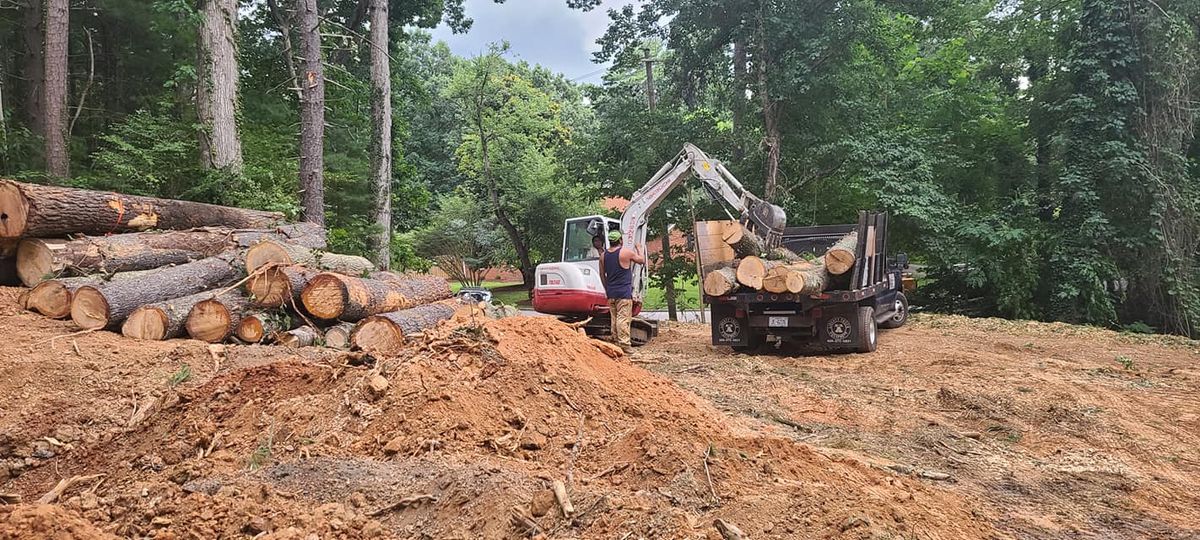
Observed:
{"x":162,"y":269}
{"x":777,"y":270}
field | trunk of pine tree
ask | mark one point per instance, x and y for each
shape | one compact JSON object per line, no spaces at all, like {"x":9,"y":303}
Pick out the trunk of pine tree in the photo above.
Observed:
{"x":738,"y":99}
{"x":33,"y":66}
{"x":217,"y":88}
{"x":58,"y":160}
{"x":381,"y":141}
{"x":668,"y":275}
{"x":312,"y":115}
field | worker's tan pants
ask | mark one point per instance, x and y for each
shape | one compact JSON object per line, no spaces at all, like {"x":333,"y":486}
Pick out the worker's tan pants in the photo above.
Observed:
{"x":621,"y":311}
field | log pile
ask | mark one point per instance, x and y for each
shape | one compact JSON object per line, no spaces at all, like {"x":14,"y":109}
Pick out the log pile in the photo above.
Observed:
{"x":749,"y":266}
{"x":157,"y":269}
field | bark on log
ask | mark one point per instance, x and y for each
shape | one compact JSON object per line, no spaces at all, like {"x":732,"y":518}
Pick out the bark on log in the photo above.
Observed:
{"x":215,"y":319}
{"x":335,"y":296}
{"x":52,"y":298}
{"x":38,"y":258}
{"x":162,"y":320}
{"x":840,"y":257}
{"x":261,"y":326}
{"x":721,"y":281}
{"x":279,"y":286}
{"x":752,"y":270}
{"x":50,"y":211}
{"x":743,"y":242}
{"x":106,"y":306}
{"x":386,"y":333}
{"x":305,"y":336}
{"x":338,"y":336}
{"x":814,"y":280}
{"x":286,"y":254}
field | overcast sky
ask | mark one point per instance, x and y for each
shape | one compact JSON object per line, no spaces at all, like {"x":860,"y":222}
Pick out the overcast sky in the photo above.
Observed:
{"x":544,"y":32}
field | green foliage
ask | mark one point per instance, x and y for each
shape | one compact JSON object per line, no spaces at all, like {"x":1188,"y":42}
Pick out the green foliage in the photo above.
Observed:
{"x":182,"y":375}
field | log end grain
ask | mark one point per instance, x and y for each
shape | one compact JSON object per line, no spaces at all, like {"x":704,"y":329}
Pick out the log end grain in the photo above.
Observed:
{"x":751,"y":271}
{"x":338,"y":337}
{"x":14,"y":210}
{"x":35,"y":261}
{"x":325,"y":296}
{"x":89,"y":309}
{"x":209,"y":321}
{"x":378,"y":335}
{"x":149,"y":323}
{"x":251,"y":329}
{"x":270,"y":288}
{"x":720,"y":282}
{"x":839,"y":261}
{"x":264,"y":253}
{"x":51,"y":299}
{"x":301,"y":337}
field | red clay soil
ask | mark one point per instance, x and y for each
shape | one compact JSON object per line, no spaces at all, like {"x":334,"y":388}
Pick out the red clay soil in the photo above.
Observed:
{"x":463,"y":434}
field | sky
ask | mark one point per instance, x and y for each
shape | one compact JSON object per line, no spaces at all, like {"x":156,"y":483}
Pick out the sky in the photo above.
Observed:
{"x":544,"y":32}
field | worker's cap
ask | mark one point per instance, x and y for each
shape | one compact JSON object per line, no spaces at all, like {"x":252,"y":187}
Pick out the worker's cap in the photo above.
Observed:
{"x":614,"y":236}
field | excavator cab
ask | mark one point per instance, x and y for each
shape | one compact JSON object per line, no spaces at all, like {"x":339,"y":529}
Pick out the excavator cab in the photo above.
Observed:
{"x":572,"y":286}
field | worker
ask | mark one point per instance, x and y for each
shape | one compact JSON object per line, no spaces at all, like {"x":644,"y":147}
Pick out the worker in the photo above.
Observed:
{"x":616,"y":273}
{"x":597,"y":247}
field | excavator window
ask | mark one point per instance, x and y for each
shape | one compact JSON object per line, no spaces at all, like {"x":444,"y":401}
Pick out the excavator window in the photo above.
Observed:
{"x":580,"y":244}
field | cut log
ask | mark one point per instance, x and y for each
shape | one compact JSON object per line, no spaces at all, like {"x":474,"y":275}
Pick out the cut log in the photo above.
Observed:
{"x":259,"y":327}
{"x":743,"y":242}
{"x":335,"y":296}
{"x":279,"y":286}
{"x":721,"y":281}
{"x":52,"y":298}
{"x":305,"y":336}
{"x":106,"y":306}
{"x":284,"y":253}
{"x":162,"y":320}
{"x":840,"y":257}
{"x":386,"y":333}
{"x":752,"y":270}
{"x":48,"y":211}
{"x":338,"y":336}
{"x":783,"y":279}
{"x":813,"y":280}
{"x":215,"y":319}
{"x":40,"y":259}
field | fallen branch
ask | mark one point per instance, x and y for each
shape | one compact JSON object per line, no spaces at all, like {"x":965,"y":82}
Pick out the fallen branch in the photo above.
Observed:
{"x":65,"y":484}
{"x":708,"y":475}
{"x":564,"y":501}
{"x":406,"y":502}
{"x":570,"y":403}
{"x":10,"y":498}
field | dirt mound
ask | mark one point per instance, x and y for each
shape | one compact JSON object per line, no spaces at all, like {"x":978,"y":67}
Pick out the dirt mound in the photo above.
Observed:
{"x":462,"y":436}
{"x":46,"y":521}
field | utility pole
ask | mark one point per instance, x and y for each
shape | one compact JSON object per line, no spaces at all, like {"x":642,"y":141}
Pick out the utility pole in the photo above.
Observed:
{"x":650,"y":98}
{"x":665,"y":260}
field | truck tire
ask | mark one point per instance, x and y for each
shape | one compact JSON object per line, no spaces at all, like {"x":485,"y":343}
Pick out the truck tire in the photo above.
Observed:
{"x":866,"y":330}
{"x":901,"y":316}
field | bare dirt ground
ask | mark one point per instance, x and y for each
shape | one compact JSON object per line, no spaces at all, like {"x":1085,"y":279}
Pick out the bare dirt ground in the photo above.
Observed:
{"x":954,"y":429}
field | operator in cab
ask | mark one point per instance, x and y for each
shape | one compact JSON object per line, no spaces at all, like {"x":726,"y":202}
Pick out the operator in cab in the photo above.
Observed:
{"x":616,"y":273}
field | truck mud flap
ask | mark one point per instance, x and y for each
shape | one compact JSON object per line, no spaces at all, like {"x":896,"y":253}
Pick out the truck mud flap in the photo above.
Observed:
{"x":727,"y":328}
{"x":836,"y":328}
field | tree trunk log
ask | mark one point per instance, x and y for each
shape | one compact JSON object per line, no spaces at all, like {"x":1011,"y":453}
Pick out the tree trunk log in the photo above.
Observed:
{"x":752,"y":270}
{"x":105,"y":306}
{"x":334,"y":296}
{"x":743,"y":242}
{"x":840,"y":257}
{"x":279,"y":286}
{"x":338,"y":336}
{"x":261,"y":326}
{"x":52,"y":298}
{"x":162,"y":320}
{"x":215,"y":319}
{"x":721,"y":281}
{"x":283,"y":253}
{"x":814,"y":280}
{"x":48,"y":211}
{"x":39,"y":259}
{"x":386,"y":333}
{"x":305,"y":336}
{"x":786,"y":278}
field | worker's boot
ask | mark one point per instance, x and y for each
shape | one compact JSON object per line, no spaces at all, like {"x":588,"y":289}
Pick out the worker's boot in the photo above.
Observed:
{"x":628,"y":349}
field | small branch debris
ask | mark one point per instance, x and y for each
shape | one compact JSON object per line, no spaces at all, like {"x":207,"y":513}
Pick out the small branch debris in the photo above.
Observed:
{"x":65,"y":484}
{"x":564,"y":501}
{"x":729,"y":531}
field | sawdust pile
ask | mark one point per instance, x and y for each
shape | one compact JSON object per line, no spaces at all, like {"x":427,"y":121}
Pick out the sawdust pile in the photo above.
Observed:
{"x":464,"y":436}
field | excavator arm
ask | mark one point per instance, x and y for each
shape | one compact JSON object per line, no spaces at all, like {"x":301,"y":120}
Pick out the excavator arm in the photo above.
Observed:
{"x":761,"y":217}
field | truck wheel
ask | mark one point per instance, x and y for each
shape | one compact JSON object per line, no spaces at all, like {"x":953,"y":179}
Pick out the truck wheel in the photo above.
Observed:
{"x":901,"y":316}
{"x":867,"y":336}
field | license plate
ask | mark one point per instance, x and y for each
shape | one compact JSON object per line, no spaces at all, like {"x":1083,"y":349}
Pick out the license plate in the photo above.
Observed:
{"x":777,"y":322}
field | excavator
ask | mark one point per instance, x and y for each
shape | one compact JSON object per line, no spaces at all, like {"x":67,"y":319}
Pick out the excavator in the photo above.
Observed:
{"x":571,"y":289}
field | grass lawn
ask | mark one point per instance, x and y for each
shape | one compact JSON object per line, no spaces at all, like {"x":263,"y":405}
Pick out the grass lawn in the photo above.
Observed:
{"x":687,"y":294}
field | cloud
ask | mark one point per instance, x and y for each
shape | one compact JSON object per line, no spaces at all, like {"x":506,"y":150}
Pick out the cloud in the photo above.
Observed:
{"x":545,"y":32}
